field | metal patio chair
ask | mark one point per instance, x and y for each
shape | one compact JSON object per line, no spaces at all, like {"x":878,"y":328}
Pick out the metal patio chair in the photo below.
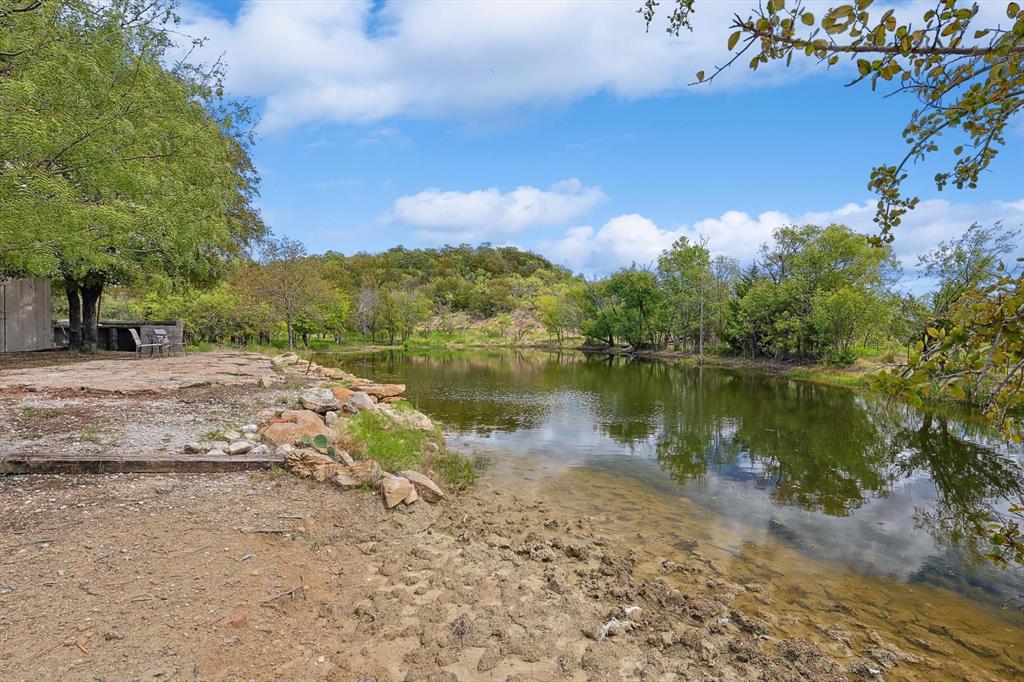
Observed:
{"x":140,"y":346}
{"x":164,"y":339}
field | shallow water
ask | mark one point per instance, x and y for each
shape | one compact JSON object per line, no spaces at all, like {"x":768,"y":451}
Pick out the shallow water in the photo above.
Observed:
{"x":863,"y":517}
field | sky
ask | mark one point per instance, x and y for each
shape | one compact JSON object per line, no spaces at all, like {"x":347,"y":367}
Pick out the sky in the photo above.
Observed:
{"x":564,"y":128}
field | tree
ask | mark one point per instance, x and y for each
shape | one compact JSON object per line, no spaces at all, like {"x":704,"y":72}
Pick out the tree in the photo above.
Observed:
{"x":685,"y":273}
{"x":289,"y":281}
{"x":967,"y":78}
{"x":113,"y":167}
{"x":963,"y":265}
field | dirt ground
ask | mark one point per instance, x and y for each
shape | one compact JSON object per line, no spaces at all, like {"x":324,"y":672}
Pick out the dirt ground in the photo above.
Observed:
{"x":263,"y":576}
{"x":122,"y":373}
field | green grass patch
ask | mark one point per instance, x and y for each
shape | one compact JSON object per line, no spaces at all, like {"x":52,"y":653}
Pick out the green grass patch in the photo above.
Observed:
{"x":372,"y":435}
{"x":821,"y":375}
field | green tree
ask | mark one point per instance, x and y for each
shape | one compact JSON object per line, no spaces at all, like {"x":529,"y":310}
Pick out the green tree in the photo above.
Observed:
{"x":969,"y":79}
{"x":291,"y":283}
{"x":684,"y":270}
{"x":135,"y":169}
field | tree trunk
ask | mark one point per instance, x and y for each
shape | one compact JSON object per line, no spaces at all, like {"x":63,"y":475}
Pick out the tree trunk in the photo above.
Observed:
{"x":291,"y":336}
{"x":74,"y":316}
{"x":90,"y":315}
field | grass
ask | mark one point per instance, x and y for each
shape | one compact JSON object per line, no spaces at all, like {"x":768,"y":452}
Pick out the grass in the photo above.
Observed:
{"x":29,"y":413}
{"x":830,"y":377}
{"x":369,"y":434}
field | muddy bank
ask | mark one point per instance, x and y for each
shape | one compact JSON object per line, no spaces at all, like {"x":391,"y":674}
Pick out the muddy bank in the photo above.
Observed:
{"x":264,"y":576}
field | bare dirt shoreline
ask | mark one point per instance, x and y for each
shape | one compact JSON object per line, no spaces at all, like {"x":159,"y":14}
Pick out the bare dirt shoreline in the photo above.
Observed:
{"x":264,"y":576}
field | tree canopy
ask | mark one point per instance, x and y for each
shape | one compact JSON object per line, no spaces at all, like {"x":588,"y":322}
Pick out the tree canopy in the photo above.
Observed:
{"x":114,"y":166}
{"x":968,"y":79}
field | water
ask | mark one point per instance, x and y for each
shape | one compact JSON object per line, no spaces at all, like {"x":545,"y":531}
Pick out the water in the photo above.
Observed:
{"x":831,"y":496}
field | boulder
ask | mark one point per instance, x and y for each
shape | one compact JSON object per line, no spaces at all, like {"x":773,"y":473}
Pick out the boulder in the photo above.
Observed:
{"x":409,"y":419}
{"x":194,"y":448}
{"x":240,"y":447}
{"x":334,"y":373}
{"x":396,"y":489}
{"x":427,"y":489}
{"x":310,"y":463}
{"x":284,"y":359}
{"x":381,"y":391}
{"x":357,"y":402}
{"x":341,"y":393}
{"x":366,"y":471}
{"x":293,"y":425}
{"x":344,"y":479}
{"x":319,"y":400}
{"x":260,"y":450}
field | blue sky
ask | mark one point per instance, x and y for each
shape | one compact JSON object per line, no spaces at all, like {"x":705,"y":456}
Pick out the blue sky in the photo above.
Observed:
{"x":560,"y":127}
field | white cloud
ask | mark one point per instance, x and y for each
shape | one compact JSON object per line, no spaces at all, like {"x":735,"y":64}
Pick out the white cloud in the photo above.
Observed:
{"x":633,"y":238}
{"x":450,"y":216}
{"x":351,"y":62}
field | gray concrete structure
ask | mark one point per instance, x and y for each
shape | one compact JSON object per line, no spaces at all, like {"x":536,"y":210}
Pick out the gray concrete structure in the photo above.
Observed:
{"x":26,"y":314}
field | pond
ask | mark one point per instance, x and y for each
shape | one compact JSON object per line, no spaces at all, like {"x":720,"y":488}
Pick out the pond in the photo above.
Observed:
{"x":850,"y":507}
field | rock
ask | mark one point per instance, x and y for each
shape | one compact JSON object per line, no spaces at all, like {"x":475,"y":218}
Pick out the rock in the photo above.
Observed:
{"x":250,"y":428}
{"x":331,"y":418}
{"x":312,"y":464}
{"x":194,"y":448}
{"x":260,"y":450}
{"x":396,"y":489}
{"x":381,"y":391}
{"x":409,"y":418}
{"x":219,"y":445}
{"x":413,"y":496}
{"x":319,"y":400}
{"x":215,"y":453}
{"x":427,"y":489}
{"x":231,"y":435}
{"x":366,"y":471}
{"x":293,"y":425}
{"x":333,"y":373}
{"x":392,"y":400}
{"x":341,"y":393}
{"x":284,"y":359}
{"x":283,"y":449}
{"x":344,"y":479}
{"x":240,"y":447}
{"x":357,"y":402}
{"x":343,"y":456}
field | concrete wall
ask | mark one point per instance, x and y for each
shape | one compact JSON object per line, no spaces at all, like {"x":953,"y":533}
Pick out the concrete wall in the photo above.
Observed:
{"x":26,"y":315}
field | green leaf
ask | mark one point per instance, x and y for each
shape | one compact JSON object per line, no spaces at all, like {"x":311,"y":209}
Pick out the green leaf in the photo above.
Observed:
{"x":700,"y":75}
{"x":864,"y":66}
{"x":320,"y":441}
{"x":1012,"y":10}
{"x":776,"y":5}
{"x":957,"y":391}
{"x":807,"y":18}
{"x":733,"y":39}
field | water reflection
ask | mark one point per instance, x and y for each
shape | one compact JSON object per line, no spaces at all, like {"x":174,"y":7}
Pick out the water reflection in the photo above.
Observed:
{"x":887,"y":489}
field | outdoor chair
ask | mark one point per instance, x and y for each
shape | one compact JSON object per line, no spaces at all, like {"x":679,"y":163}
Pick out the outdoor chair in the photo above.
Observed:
{"x":166,"y":344}
{"x":140,"y":346}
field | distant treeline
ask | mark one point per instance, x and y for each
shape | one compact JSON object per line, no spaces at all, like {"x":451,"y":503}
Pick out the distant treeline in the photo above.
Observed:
{"x":812,"y":293}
